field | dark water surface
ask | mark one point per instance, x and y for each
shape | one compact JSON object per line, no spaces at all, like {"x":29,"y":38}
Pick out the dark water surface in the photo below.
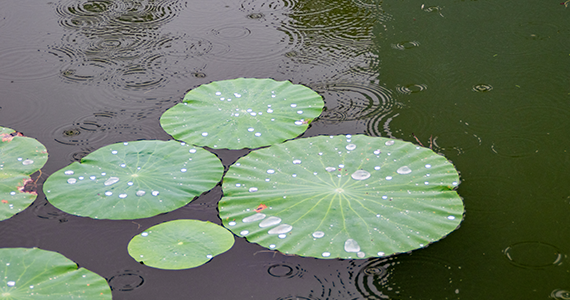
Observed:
{"x":486,"y":83}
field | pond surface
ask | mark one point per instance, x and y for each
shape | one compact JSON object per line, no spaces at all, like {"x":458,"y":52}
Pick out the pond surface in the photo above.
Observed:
{"x":485,"y":83}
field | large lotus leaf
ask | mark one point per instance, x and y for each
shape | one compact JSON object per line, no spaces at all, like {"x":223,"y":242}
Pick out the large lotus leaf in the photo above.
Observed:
{"x":242,"y":113}
{"x":342,"y":197}
{"x":180,"y":244}
{"x":31,"y":273}
{"x":134,"y":180}
{"x":19,"y":158}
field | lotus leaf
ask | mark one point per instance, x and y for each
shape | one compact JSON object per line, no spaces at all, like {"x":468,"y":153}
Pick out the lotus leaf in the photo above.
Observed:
{"x":31,"y":273}
{"x":180,"y":244}
{"x":342,"y":197}
{"x":134,"y":180}
{"x":242,"y":113}
{"x":19,"y":158}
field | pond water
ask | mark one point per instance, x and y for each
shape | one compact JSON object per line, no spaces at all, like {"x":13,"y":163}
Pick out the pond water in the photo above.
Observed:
{"x":483,"y":82}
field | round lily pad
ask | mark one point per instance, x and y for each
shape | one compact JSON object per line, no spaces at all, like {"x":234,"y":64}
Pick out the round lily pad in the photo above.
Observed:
{"x":342,"y":197}
{"x":19,"y":158}
{"x":134,"y":180}
{"x":180,"y":244}
{"x":242,"y":113}
{"x":31,"y":273}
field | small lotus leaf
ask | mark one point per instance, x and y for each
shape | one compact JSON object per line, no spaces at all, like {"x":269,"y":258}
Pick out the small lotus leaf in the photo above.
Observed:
{"x":180,"y":244}
{"x":19,"y":158}
{"x":134,"y":180}
{"x":342,"y":197}
{"x":31,"y":273}
{"x":242,"y":113}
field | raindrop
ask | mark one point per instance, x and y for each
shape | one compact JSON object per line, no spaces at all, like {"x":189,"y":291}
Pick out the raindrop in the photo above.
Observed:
{"x":351,"y":246}
{"x":92,"y":177}
{"x":114,"y":152}
{"x":269,"y":110}
{"x":140,"y":193}
{"x":270,"y":171}
{"x":272,"y":246}
{"x":238,"y":184}
{"x":12,"y":193}
{"x":130,"y":183}
{"x":330,"y":169}
{"x":293,"y":105}
{"x":296,"y":161}
{"x":404,"y":170}
{"x":318,"y":234}
{"x":253,"y":114}
{"x":320,"y":153}
{"x":81,"y":177}
{"x":71,"y":180}
{"x":209,"y":256}
{"x":361,"y":254}
{"x":258,"y":134}
{"x":282,"y":236}
{"x":108,"y":193}
{"x":298,"y":123}
{"x":250,"y":129}
{"x":204,"y":134}
{"x":348,"y":136}
{"x":27,"y":162}
{"x":377,"y":168}
{"x":350,"y":147}
{"x":252,"y":189}
{"x":428,"y":166}
{"x":326,"y":254}
{"x":271,"y":221}
{"x":123,"y":165}
{"x":183,"y":170}
{"x":125,"y":143}
{"x":384,"y":197}
{"x":253,"y":218}
{"x":244,"y":232}
{"x":426,"y":183}
{"x":20,"y":159}
{"x":69,"y":172}
{"x":192,"y":150}
{"x":341,"y":166}
{"x":218,"y":93}
{"x":389,"y":143}
{"x":360,"y":175}
{"x":237,"y":95}
{"x":377,"y":152}
{"x":144,"y":234}
{"x":294,"y":175}
{"x":103,"y":174}
{"x":155,"y":193}
{"x":388,"y":177}
{"x":111,"y":180}
{"x":381,"y":253}
{"x":232,"y":223}
{"x":300,"y":112}
{"x":454,"y":183}
{"x":11,"y":283}
{"x":122,"y":196}
{"x":281,"y":229}
{"x":451,"y":217}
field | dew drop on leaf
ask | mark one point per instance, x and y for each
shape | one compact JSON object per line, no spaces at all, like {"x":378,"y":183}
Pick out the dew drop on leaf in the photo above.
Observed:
{"x":271,"y":221}
{"x":351,"y":245}
{"x":111,"y":180}
{"x":281,"y":229}
{"x":360,"y":175}
{"x":253,"y":218}
{"x":404,"y":170}
{"x":71,"y":180}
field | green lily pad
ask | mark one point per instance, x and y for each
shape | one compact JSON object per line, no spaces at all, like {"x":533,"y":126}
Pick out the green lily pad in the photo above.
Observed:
{"x":31,"y":273}
{"x":180,"y":244}
{"x":242,"y":113}
{"x":19,"y":158}
{"x":342,"y":197}
{"x":134,"y":180}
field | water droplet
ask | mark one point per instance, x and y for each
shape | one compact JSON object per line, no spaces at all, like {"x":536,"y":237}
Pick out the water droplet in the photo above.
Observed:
{"x":111,"y":180}
{"x":253,"y":218}
{"x":351,"y":246}
{"x":252,"y":189}
{"x":454,"y":183}
{"x":280,"y":229}
{"x":348,"y":136}
{"x":388,"y":177}
{"x":183,"y":170}
{"x":20,"y":159}
{"x":250,"y":129}
{"x":326,"y":254}
{"x":377,"y":152}
{"x":244,"y":232}
{"x":318,"y":234}
{"x":258,"y":134}
{"x":232,"y":223}
{"x":140,"y":193}
{"x":123,"y":165}
{"x":377,"y":168}
{"x":69,"y":172}
{"x":144,"y":234}
{"x":125,"y":143}
{"x":320,"y":153}
{"x":451,"y":217}
{"x":272,"y":246}
{"x":300,"y":112}
{"x":360,"y":175}
{"x":80,"y":177}
{"x":269,"y":110}
{"x":428,"y":166}
{"x":92,"y":177}
{"x":253,"y":114}
{"x":218,"y":93}
{"x":298,"y":122}
{"x":296,"y":161}
{"x":341,"y":166}
{"x":130,"y":183}
{"x":108,"y":193}
{"x":282,"y":236}
{"x":237,"y":95}
{"x":71,"y":180}
{"x":293,"y":105}
{"x":404,"y":170}
{"x":114,"y":152}
{"x":155,"y":193}
{"x":361,"y":254}
{"x":27,"y":162}
{"x":384,"y":197}
{"x":389,"y":143}
{"x":11,"y":283}
{"x":426,"y":183}
{"x":103,"y":174}
{"x":122,"y":196}
{"x":238,"y":184}
{"x":294,"y":175}
{"x":270,"y":171}
{"x":192,"y":150}
{"x":204,"y":134}
{"x":330,"y":169}
{"x":12,"y":193}
{"x":209,"y":256}
{"x":350,"y":147}
{"x":381,"y":253}
{"x":271,"y":221}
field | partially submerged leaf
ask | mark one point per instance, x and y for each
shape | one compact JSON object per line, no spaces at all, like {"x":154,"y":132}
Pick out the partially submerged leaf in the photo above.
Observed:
{"x":19,"y":158}
{"x":242,"y":113}
{"x":31,"y":273}
{"x":342,"y":197}
{"x":180,"y":244}
{"x":134,"y":180}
